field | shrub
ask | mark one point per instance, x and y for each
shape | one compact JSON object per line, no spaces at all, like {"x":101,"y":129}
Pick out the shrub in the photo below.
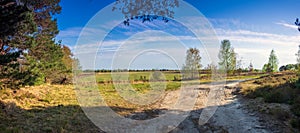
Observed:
{"x":258,"y":92}
{"x":280,"y":113}
{"x":281,"y":95}
{"x":297,"y":83}
{"x":295,"y":123}
{"x":296,"y":107}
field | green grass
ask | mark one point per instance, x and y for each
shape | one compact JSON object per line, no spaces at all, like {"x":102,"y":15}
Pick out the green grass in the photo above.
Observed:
{"x":245,"y":77}
{"x":169,"y":76}
{"x":54,"y":108}
{"x":104,"y":77}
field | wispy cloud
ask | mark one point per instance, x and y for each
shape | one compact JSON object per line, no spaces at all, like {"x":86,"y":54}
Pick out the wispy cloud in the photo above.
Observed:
{"x":287,"y":25}
{"x":251,"y":45}
{"x":70,"y":32}
{"x":256,"y":46}
{"x":141,"y":39}
{"x":258,"y":37}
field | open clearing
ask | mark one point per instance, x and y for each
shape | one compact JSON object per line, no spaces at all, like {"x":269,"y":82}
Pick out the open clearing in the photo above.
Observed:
{"x":54,"y":108}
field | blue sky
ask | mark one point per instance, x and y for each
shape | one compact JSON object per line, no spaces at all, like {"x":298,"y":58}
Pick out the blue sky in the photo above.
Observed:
{"x":254,"y":27}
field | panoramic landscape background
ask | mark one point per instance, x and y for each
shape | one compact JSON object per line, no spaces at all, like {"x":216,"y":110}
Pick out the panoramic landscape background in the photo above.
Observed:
{"x":221,"y":66}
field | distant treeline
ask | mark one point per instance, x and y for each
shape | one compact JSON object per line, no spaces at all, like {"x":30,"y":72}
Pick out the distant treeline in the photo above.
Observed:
{"x":132,"y":70}
{"x":203,"y":71}
{"x":289,"y":67}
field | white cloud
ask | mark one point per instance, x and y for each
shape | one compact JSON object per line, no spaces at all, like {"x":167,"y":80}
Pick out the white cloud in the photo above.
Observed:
{"x":258,"y":37}
{"x":251,"y":45}
{"x":256,"y":46}
{"x":77,"y":31}
{"x":287,"y":25}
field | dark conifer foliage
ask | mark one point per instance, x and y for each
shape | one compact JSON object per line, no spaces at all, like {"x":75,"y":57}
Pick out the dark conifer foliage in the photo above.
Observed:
{"x":29,"y":54}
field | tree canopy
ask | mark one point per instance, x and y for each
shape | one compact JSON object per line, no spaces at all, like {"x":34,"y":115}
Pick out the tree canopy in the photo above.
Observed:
{"x":272,"y":65}
{"x":146,"y":10}
{"x":29,"y":53}
{"x":227,"y":57}
{"x":192,"y":64}
{"x":288,"y":67}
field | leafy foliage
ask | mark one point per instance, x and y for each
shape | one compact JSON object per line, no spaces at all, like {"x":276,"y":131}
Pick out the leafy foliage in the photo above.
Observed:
{"x":227,"y":56}
{"x":16,"y":26}
{"x":28,"y":52}
{"x":267,"y":68}
{"x":288,"y":67}
{"x":146,"y":10}
{"x":272,"y":65}
{"x":192,"y":64}
{"x":273,"y":61}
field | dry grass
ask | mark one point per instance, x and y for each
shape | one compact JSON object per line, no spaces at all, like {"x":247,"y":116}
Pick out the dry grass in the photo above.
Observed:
{"x":42,"y":109}
{"x":278,"y":89}
{"x":268,"y":82}
{"x":54,"y":108}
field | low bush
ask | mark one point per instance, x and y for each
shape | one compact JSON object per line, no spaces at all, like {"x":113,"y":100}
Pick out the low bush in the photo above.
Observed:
{"x":296,"y":107}
{"x":277,"y":88}
{"x":280,"y":113}
{"x":295,"y":123}
{"x":280,"y":95}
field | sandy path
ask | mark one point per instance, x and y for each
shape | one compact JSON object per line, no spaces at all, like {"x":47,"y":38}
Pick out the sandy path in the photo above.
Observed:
{"x":230,"y":115}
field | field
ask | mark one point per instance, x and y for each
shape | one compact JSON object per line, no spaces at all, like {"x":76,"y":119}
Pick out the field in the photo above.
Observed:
{"x":54,"y":108}
{"x":47,"y":108}
{"x":172,"y":79}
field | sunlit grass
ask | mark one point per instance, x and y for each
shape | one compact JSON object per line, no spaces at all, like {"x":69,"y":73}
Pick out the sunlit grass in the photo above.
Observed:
{"x":46,"y":108}
{"x":54,"y":108}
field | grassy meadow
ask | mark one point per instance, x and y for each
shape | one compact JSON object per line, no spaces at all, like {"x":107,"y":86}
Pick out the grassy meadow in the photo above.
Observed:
{"x":54,"y":108}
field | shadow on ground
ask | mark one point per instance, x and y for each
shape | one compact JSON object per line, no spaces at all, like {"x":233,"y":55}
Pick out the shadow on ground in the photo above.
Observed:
{"x":65,"y":118}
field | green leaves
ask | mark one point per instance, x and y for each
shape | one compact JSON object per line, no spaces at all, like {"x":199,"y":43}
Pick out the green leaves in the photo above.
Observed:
{"x":272,"y":65}
{"x":227,"y":56}
{"x":29,"y":54}
{"x":192,"y":64}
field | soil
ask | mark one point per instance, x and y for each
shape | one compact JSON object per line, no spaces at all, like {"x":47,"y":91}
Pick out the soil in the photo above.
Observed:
{"x":232,"y":115}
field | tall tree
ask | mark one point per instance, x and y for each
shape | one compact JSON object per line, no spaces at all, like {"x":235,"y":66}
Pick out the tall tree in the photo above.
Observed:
{"x":192,"y":64}
{"x":16,"y":27}
{"x":27,"y":35}
{"x":272,"y":65}
{"x":45,"y":52}
{"x":273,"y":61}
{"x":227,"y":56}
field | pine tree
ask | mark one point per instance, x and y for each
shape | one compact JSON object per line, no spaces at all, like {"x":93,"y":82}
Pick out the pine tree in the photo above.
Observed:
{"x":16,"y":26}
{"x":27,"y":42}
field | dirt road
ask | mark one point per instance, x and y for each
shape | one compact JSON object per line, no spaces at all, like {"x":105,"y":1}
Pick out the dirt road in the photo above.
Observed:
{"x":230,"y":115}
